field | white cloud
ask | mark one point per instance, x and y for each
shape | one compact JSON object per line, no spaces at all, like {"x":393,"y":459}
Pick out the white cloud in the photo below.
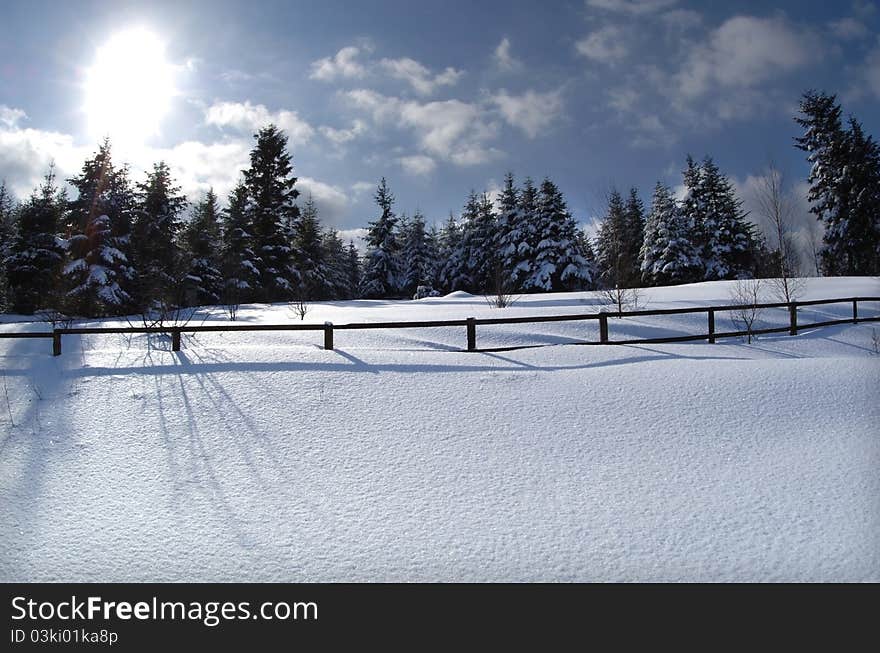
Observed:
{"x":848,"y":29}
{"x":342,"y":136}
{"x":605,"y":45}
{"x":622,"y":99}
{"x":872,"y":70}
{"x":343,"y":64}
{"x":331,"y":201}
{"x":417,"y":165}
{"x":631,"y":7}
{"x":743,"y":52}
{"x":452,"y":130}
{"x":531,"y":112}
{"x":505,"y":61}
{"x":359,"y":237}
{"x":10,"y":117}
{"x":247,"y":117}
{"x":25,"y":155}
{"x":418,"y":76}
{"x":199,"y":166}
{"x":361,"y":187}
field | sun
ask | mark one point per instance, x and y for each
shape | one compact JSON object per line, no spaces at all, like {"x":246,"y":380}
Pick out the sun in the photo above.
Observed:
{"x":129,"y":87}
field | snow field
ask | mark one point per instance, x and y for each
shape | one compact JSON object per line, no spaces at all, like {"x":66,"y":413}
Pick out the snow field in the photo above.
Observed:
{"x":259,"y":456}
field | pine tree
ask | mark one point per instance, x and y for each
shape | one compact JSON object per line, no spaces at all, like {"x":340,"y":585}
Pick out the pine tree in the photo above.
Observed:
{"x":380,"y":275}
{"x":452,"y":274}
{"x":309,"y":256}
{"x":843,"y":185}
{"x":7,"y":237}
{"x":729,"y":251}
{"x":635,"y":236}
{"x":201,"y":237}
{"x":418,"y":257}
{"x":478,"y":243}
{"x":335,"y":267}
{"x":156,"y":257}
{"x":99,"y":275}
{"x":512,"y":246}
{"x":721,"y":234}
{"x":238,"y":263}
{"x":36,"y":256}
{"x":529,"y":235}
{"x":668,"y":256}
{"x":861,"y":237}
{"x":611,"y":248}
{"x":271,"y":210}
{"x":353,"y":271}
{"x":559,"y":263}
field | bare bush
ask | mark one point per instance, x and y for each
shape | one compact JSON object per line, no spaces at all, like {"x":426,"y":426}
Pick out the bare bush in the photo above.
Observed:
{"x":623,"y":299}
{"x":56,"y":318}
{"x":502,"y":295}
{"x":299,"y":307}
{"x":746,"y":295}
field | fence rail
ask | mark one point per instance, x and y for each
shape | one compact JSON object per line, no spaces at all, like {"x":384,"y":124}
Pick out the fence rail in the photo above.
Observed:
{"x":471,"y":324}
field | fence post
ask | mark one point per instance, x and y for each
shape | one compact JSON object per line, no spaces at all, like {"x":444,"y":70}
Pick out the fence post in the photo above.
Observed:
{"x":328,"y":336}
{"x":855,"y":311}
{"x":56,"y":342}
{"x":472,"y":334}
{"x":175,"y":339}
{"x":711,"y":327}
{"x":792,"y":313}
{"x":603,"y":327}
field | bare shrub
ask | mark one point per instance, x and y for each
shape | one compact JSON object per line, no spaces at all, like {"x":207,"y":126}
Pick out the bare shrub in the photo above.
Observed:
{"x":623,"y":299}
{"x":502,"y":295}
{"x":746,"y":295}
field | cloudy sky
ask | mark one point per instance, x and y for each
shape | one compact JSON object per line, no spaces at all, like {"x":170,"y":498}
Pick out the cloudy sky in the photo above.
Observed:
{"x":439,"y":97}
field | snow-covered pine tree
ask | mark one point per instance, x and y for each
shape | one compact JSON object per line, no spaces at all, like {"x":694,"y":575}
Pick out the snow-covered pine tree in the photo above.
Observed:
{"x":729,"y":245}
{"x":334,"y":268}
{"x":99,"y":275}
{"x":452,"y":273}
{"x":201,"y":238}
{"x":860,"y":239}
{"x":721,"y":234}
{"x":559,"y":262}
{"x":238,"y":263}
{"x":8,"y":217}
{"x":529,"y":236}
{"x":155,"y":253}
{"x":844,"y":182}
{"x":635,"y":235}
{"x":668,"y":255}
{"x":353,"y":271}
{"x":308,"y":254}
{"x":418,"y":256}
{"x":380,"y":273}
{"x":36,"y":255}
{"x":271,"y":210}
{"x":611,"y":248}
{"x":512,"y":245}
{"x":478,"y":242}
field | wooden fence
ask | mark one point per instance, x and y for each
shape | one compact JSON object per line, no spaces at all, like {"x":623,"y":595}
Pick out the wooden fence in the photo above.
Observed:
{"x":471,"y":324}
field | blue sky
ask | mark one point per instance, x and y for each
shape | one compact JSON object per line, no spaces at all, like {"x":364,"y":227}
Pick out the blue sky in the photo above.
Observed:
{"x":442,"y":97}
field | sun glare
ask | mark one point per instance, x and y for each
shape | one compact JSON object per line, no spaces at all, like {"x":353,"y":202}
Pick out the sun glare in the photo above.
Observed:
{"x":129,"y":87}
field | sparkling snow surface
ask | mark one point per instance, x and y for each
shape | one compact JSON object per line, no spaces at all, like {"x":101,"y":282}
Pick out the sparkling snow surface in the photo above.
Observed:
{"x":261,"y":457}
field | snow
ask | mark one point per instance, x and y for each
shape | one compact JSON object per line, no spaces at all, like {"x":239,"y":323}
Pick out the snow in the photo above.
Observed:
{"x":397,"y":457}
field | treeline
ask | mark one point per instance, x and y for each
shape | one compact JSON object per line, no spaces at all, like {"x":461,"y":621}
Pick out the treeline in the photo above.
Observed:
{"x":121,"y":247}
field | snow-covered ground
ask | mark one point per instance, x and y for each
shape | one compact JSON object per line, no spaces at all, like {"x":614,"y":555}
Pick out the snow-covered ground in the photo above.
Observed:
{"x":260,"y":456}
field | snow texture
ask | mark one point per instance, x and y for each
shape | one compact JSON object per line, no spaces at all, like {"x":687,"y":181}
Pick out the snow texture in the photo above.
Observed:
{"x":397,"y":457}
